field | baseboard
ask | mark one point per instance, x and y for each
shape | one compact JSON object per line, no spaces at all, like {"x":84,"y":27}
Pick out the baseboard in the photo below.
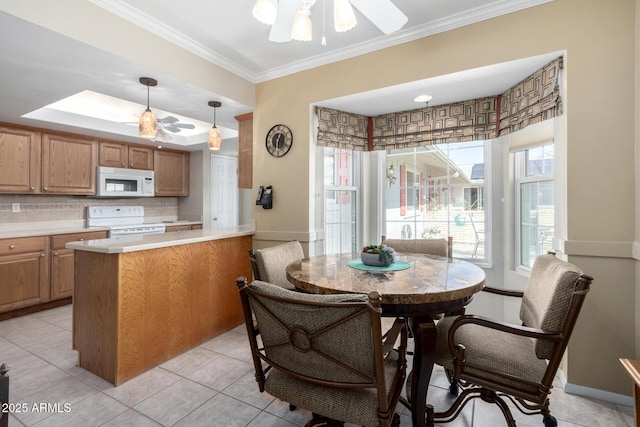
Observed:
{"x":594,"y":393}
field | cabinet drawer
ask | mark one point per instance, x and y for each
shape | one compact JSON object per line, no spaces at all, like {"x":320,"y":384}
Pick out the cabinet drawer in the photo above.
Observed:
{"x":59,"y":240}
{"x":22,"y":245}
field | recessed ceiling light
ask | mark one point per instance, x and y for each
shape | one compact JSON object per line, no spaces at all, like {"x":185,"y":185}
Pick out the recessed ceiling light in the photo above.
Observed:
{"x":423,"y":98}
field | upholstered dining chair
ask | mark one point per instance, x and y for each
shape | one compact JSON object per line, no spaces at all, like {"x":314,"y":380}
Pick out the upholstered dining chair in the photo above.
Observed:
{"x":325,"y":353}
{"x":497,"y":360}
{"x":270,"y":264}
{"x":442,"y":247}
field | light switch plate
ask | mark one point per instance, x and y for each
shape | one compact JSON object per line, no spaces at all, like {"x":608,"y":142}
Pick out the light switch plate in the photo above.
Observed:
{"x":15,"y":207}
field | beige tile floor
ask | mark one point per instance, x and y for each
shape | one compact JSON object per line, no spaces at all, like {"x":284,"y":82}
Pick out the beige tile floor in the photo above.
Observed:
{"x":210,"y":385}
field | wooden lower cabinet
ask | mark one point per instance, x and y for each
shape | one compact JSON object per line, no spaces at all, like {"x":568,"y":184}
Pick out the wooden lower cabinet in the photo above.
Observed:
{"x":24,"y":272}
{"x":62,"y":261}
{"x":32,"y":274}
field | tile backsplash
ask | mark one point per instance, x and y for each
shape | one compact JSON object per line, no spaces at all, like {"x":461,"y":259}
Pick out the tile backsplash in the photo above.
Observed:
{"x":38,"y":211}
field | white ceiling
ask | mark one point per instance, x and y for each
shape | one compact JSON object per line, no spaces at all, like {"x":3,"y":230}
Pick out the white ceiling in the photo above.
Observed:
{"x":40,"y":66}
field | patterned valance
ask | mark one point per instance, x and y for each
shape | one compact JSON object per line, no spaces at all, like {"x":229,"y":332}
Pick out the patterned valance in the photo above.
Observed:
{"x":534,"y":99}
{"x":339,"y":129}
{"x":464,"y":121}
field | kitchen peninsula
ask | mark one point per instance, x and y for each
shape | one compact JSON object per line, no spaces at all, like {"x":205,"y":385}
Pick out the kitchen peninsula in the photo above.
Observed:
{"x":142,"y":300}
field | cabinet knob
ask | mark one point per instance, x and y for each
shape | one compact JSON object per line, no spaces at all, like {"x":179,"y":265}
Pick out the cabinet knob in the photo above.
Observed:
{"x":54,"y":254}
{"x":46,"y":188}
{"x":81,"y":239}
{"x":12,"y":246}
{"x":42,"y":254}
{"x":33,"y":188}
{"x":131,"y":165}
{"x":122,"y":163}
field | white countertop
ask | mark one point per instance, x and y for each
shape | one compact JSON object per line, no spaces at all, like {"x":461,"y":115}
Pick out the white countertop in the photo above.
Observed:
{"x":123,"y":244}
{"x":47,"y":231}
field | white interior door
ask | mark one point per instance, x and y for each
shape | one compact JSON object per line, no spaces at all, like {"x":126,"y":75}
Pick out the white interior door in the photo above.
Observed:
{"x":224,"y":192}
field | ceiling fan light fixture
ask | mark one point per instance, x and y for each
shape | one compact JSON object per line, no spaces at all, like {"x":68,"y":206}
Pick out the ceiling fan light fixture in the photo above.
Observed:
{"x":148,"y":125}
{"x":343,"y":17}
{"x":214,"y":139}
{"x":302,"y":26}
{"x":265,"y":11}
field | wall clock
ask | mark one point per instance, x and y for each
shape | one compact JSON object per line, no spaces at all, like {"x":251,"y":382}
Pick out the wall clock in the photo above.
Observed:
{"x":279,"y":140}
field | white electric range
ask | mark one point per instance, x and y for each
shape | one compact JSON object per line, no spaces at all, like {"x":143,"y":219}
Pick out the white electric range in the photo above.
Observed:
{"x":122,"y":220}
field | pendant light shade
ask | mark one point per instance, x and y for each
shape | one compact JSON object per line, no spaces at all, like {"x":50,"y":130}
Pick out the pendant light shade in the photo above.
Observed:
{"x":343,"y":17}
{"x":302,"y":26}
{"x":265,"y":11}
{"x":214,"y":138}
{"x":148,"y":125}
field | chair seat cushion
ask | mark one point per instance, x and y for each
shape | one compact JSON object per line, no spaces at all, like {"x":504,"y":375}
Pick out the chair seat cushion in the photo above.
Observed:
{"x":496,"y":351}
{"x":354,"y":405}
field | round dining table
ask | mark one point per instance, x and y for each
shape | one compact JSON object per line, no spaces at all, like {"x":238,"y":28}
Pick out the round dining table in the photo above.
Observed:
{"x":418,"y":287}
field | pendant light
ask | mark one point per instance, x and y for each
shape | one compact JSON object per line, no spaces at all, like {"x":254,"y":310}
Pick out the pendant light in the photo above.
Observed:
{"x":215,"y":137}
{"x":148,"y":125}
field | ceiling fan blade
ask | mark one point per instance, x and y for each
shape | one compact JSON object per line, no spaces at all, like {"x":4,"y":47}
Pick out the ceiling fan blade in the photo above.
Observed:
{"x":171,"y":128}
{"x":384,"y":14}
{"x":168,"y":119}
{"x":185,"y":125}
{"x":281,"y":29}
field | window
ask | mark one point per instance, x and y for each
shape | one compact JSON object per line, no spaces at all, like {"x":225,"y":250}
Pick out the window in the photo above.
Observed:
{"x":535,"y":203}
{"x":439,"y":191}
{"x":340,"y":177}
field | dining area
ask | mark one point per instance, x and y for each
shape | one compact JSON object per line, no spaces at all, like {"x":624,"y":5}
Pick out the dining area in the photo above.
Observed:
{"x":423,"y":292}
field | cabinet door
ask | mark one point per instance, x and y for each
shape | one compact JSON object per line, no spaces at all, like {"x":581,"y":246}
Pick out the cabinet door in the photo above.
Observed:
{"x":245,"y":150}
{"x":171,"y":173}
{"x":24,"y":280}
{"x":113,"y":155}
{"x":140,"y":157}
{"x":62,"y":273}
{"x":19,"y":161}
{"x":62,"y":261}
{"x":68,"y":165}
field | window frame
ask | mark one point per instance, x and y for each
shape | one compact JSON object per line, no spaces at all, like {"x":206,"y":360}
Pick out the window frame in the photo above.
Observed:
{"x":520,"y":177}
{"x":355,"y":170}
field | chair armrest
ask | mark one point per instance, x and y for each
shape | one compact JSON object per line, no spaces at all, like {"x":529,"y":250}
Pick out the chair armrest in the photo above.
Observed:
{"x":524,"y":331}
{"x":399,"y":326}
{"x":504,"y":292}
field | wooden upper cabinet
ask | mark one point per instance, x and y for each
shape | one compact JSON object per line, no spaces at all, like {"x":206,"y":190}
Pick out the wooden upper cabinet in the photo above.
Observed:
{"x":245,"y":150}
{"x":117,"y":155}
{"x":68,"y":165}
{"x":113,"y":155}
{"x":140,"y":157}
{"x":171,"y":173}
{"x":19,"y":161}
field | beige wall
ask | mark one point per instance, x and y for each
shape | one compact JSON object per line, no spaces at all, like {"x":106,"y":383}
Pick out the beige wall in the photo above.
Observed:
{"x":598,"y":38}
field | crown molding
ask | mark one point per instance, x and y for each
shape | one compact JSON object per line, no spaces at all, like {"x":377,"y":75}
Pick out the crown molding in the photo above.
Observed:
{"x":489,"y":11}
{"x":156,"y":27}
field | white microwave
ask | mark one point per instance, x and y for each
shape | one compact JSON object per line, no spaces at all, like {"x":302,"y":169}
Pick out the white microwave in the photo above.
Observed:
{"x":119,"y":182}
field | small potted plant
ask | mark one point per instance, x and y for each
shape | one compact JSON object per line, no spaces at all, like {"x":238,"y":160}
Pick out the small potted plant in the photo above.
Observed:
{"x":378,"y":255}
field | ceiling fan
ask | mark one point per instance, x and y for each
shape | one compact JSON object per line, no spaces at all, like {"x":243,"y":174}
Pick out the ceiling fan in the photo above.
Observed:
{"x":172,"y":124}
{"x":382,"y":13}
